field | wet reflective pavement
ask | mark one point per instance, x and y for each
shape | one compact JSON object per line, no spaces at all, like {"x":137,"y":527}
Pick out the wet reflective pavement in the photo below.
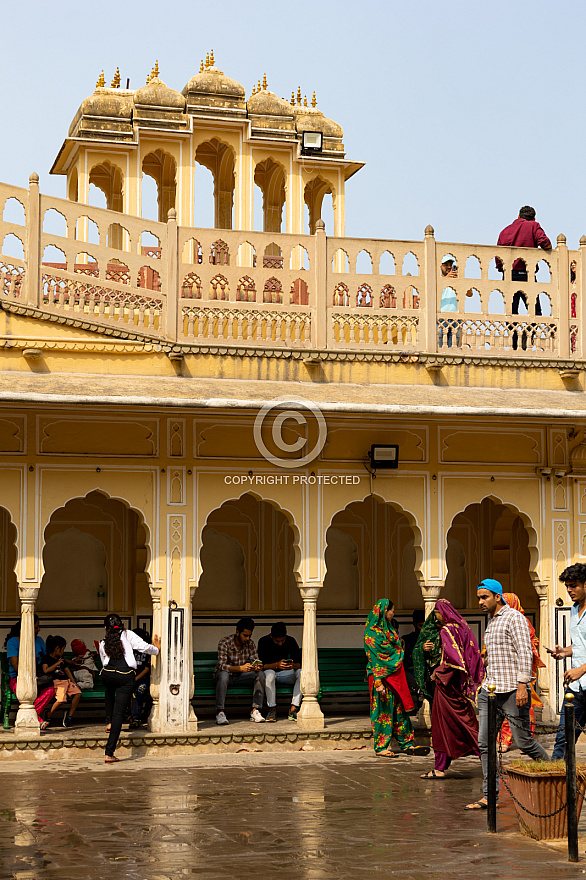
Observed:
{"x":295,"y":816}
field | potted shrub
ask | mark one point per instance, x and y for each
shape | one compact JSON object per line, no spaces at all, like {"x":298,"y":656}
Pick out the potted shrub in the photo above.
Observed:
{"x":540,"y":787}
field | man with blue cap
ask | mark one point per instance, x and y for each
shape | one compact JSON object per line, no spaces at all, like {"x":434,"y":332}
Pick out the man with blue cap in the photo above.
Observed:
{"x":509,"y":658}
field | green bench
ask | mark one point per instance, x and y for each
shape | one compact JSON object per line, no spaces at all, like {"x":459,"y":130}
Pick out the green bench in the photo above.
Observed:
{"x":341,"y":674}
{"x":7,"y":698}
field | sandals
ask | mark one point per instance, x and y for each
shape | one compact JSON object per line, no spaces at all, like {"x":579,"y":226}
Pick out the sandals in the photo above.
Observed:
{"x":432,"y":775}
{"x":417,"y":751}
{"x":134,"y":725}
{"x":108,"y":728}
{"x":111,"y":759}
{"x":478,"y":805}
{"x":387,"y":754}
{"x":45,"y":725}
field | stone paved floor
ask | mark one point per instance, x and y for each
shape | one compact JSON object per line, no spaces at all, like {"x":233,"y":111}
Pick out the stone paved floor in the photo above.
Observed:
{"x":295,"y":816}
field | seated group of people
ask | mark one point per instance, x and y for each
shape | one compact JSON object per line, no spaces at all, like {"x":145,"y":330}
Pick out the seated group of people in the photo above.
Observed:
{"x":278,"y":660}
{"x":60,"y":679}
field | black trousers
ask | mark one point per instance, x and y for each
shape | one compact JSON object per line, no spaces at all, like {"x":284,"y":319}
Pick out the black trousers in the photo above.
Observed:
{"x":118,"y":687}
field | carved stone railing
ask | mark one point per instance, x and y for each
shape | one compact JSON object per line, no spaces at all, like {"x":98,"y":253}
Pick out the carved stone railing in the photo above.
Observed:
{"x":278,"y":291}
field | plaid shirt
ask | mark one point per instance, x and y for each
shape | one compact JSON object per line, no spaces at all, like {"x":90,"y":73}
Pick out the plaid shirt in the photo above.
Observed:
{"x":509,"y":652}
{"x":231,"y":654}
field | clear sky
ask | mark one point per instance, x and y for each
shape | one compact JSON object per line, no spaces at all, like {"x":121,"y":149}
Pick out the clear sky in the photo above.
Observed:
{"x":462,"y":111}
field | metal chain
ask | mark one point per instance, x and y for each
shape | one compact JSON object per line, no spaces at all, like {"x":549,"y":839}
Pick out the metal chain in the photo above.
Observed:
{"x":522,"y":724}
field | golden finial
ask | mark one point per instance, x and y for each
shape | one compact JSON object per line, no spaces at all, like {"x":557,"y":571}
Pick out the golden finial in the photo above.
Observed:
{"x":299,"y":96}
{"x":258,"y":88}
{"x":101,"y":81}
{"x":201,"y":66}
{"x":254,"y":90}
{"x":212,"y":58}
{"x":115,"y":84}
{"x":152,"y":74}
{"x":264,"y":82}
{"x":313,"y":101}
{"x":208,"y":60}
{"x":293,"y":99}
{"x":156,"y":70}
{"x":305,"y":101}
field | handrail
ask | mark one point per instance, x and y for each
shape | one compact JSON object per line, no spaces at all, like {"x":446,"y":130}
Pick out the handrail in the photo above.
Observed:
{"x":264,"y":290}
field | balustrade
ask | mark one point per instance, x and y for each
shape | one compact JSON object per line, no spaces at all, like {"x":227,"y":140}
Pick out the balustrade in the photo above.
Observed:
{"x":286,"y":291}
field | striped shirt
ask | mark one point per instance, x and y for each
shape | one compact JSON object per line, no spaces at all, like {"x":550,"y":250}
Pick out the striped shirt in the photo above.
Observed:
{"x":232,"y":654}
{"x":508,"y":648}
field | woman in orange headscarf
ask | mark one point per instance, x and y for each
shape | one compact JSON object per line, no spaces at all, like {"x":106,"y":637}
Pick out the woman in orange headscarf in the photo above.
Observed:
{"x":505,"y":738}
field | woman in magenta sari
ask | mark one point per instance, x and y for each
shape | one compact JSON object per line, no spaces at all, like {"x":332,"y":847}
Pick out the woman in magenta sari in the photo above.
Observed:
{"x":454,"y":726}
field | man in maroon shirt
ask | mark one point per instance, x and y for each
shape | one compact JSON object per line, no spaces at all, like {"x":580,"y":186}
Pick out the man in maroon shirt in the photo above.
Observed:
{"x":525,"y":231}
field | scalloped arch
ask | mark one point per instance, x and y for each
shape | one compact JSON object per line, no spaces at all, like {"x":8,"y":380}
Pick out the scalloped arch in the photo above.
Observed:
{"x":411,"y":520}
{"x":110,"y":497}
{"x":525,"y":519}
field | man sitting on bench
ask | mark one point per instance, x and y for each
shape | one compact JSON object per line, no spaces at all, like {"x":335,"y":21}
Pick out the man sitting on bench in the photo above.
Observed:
{"x":281,"y":657}
{"x":238,"y":663}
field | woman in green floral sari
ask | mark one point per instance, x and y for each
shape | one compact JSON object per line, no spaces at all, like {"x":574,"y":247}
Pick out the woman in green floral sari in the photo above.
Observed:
{"x":390,"y":699}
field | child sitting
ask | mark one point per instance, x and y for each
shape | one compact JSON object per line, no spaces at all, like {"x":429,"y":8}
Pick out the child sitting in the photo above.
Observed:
{"x":85,"y":669}
{"x":53,"y":663}
{"x":141,"y":696}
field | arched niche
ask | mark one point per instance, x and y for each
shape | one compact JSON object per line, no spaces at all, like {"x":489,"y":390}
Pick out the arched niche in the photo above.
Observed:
{"x":220,"y":159}
{"x":9,"y":601}
{"x":106,"y":544}
{"x":373,"y":550}
{"x":109,"y":179}
{"x":162,"y":168}
{"x":248,"y":555}
{"x":495,"y":540}
{"x":313,"y":196}
{"x":269,"y":176}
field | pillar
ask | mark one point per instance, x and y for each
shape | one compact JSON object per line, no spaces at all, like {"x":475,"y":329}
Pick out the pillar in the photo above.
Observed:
{"x":171,"y":284}
{"x":563,"y":293}
{"x":543,"y":674}
{"x":310,"y":715}
{"x":429,"y":317}
{"x":155,"y":719}
{"x":26,"y":685}
{"x":33,"y":245}
{"x":430,"y":597}
{"x":320,"y":335}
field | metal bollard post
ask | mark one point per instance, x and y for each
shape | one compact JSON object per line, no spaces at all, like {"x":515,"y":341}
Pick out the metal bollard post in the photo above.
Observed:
{"x":492,"y":768}
{"x":571,"y":784}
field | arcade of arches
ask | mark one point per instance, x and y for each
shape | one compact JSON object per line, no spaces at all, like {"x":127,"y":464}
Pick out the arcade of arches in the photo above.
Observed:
{"x":248,"y":558}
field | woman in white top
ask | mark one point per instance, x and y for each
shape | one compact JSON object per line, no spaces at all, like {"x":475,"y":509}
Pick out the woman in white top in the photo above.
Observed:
{"x":118,"y":673}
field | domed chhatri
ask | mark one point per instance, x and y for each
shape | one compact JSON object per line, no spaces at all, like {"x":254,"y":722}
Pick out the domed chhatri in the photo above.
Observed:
{"x":310,"y":118}
{"x":158,"y":94}
{"x":110,"y":104}
{"x":211,"y":87}
{"x":266,"y":103}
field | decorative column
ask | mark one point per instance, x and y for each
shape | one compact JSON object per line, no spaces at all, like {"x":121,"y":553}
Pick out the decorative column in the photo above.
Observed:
{"x":156,"y":664}
{"x":310,"y":715}
{"x":171,"y":285}
{"x":430,"y":595}
{"x":192,"y":722}
{"x":26,"y":685}
{"x":430,"y":301}
{"x":319,"y":335}
{"x":563,"y":293}
{"x":543,"y":674}
{"x":33,"y":243}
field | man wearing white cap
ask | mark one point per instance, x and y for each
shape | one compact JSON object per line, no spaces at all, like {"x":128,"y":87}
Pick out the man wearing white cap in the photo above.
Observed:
{"x":509,"y":658}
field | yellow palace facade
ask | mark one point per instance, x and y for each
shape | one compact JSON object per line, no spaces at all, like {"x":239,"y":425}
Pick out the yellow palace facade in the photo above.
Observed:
{"x":186,"y":414}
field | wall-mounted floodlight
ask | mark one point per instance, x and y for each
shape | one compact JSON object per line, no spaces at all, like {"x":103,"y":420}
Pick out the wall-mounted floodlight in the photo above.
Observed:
{"x":383,"y":457}
{"x":312,"y":141}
